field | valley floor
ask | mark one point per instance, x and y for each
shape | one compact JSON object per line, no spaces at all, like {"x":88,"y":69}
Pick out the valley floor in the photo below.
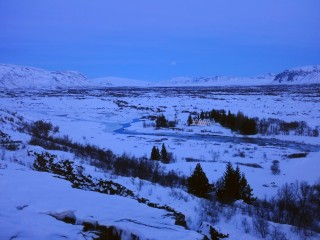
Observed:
{"x":119,"y":119}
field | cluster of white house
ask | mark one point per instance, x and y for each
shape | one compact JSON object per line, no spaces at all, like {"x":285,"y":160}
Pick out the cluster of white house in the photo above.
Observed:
{"x":202,"y":122}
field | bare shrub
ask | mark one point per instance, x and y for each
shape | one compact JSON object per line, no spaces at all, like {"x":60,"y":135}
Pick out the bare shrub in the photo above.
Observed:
{"x":277,"y":234}
{"x":178,"y":194}
{"x":140,"y":185}
{"x":3,"y":154}
{"x":240,"y":153}
{"x":261,"y":226}
{"x":215,"y":156}
{"x":229,"y":211}
{"x":245,"y":225}
{"x":210,"y":211}
{"x":275,"y":167}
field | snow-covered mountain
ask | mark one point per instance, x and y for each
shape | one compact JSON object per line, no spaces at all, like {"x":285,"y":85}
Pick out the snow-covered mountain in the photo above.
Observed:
{"x":20,"y":77}
{"x":301,"y":75}
{"x":118,"y":82}
{"x":218,"y":81}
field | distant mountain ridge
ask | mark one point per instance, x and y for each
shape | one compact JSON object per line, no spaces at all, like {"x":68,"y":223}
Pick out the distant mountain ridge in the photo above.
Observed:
{"x":301,"y":75}
{"x":118,"y":82}
{"x":17,"y":77}
{"x":21,"y":77}
{"x":218,"y":81}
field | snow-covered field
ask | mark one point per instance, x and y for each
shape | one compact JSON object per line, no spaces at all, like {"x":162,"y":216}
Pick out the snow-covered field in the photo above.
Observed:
{"x":119,"y":119}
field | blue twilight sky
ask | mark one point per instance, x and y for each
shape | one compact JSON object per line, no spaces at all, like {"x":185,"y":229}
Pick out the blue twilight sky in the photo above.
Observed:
{"x":161,"y":39}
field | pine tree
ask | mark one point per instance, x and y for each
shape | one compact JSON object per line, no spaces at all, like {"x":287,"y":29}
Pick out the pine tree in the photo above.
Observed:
{"x":190,"y":121}
{"x":227,"y":184}
{"x":164,"y":154}
{"x":275,"y":169}
{"x":155,"y":154}
{"x":236,"y":183}
{"x":161,"y":121}
{"x":202,"y":115}
{"x":233,"y":186}
{"x":198,"y":183}
{"x":245,"y":190}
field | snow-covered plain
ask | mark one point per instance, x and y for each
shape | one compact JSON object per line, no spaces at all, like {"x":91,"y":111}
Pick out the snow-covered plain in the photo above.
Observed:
{"x":117,"y":119}
{"x":115,"y":113}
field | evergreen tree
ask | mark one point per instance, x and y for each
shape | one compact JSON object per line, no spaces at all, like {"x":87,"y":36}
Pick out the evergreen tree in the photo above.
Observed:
{"x":227,"y":184}
{"x":245,"y":190}
{"x":233,"y":186}
{"x":155,"y":154}
{"x":190,"y":121}
{"x":198,"y":183}
{"x":161,"y":121}
{"x":275,"y":168}
{"x":202,"y":115}
{"x":164,"y":154}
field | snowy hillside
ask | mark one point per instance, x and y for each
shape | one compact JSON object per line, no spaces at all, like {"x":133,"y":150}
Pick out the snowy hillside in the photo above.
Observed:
{"x":21,"y":77}
{"x":218,"y":81}
{"x":50,"y":202}
{"x":301,"y":75}
{"x":15,"y":77}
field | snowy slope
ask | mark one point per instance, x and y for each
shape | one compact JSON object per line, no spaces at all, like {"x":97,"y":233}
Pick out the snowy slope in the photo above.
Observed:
{"x":30,"y":199}
{"x":21,"y":77}
{"x":17,"y":77}
{"x":301,"y":75}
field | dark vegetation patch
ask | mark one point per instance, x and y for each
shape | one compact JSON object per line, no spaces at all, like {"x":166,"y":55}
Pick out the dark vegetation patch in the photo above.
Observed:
{"x":250,"y":126}
{"x":122,"y":165}
{"x":297,"y":155}
{"x":253,"y":165}
{"x":100,"y":231}
{"x":8,"y":143}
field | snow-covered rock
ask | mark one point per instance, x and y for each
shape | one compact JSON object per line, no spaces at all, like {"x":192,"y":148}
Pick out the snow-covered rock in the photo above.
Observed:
{"x":300,"y":75}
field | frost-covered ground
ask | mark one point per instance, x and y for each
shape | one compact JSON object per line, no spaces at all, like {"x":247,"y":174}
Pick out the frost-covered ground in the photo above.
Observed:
{"x":116,"y":119}
{"x":30,"y":199}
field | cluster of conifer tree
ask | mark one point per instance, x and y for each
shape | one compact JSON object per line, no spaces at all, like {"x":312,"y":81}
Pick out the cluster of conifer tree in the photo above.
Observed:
{"x":236,"y":122}
{"x":162,"y":155}
{"x":161,"y":121}
{"x":198,"y":183}
{"x":232,"y":186}
{"x":250,"y":126}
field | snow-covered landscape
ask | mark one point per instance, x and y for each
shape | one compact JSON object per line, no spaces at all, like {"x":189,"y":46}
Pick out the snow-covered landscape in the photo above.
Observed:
{"x":102,"y":129}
